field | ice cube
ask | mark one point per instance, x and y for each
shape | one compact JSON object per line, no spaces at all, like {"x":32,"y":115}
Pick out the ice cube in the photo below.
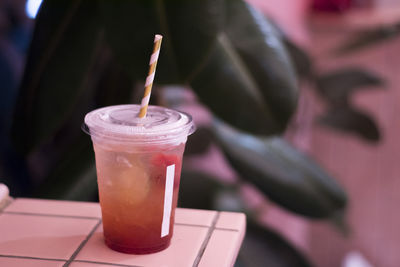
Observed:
{"x":124,"y":161}
{"x":133,"y":184}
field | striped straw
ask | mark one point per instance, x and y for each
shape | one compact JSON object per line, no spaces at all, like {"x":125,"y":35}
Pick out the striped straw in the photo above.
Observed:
{"x":150,"y":77}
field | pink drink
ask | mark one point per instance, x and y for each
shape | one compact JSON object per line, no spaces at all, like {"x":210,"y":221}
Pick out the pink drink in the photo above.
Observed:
{"x":138,"y":165}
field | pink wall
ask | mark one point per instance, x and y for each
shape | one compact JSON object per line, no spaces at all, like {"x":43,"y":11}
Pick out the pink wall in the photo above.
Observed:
{"x":370,"y":173}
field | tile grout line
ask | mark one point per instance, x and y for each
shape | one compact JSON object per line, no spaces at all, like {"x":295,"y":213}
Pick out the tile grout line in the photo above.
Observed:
{"x":205,"y":226}
{"x":206,"y":240}
{"x":73,"y":256}
{"x":30,"y":258}
{"x":226,"y":229}
{"x":97,"y":218}
{"x":108,"y":263}
{"x":192,"y":225}
{"x":51,"y":215}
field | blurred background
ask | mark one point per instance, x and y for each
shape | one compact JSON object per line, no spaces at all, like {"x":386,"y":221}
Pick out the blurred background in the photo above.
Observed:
{"x":339,"y":132}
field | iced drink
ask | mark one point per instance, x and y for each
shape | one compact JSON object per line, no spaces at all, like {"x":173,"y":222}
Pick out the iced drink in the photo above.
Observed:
{"x":138,"y":164}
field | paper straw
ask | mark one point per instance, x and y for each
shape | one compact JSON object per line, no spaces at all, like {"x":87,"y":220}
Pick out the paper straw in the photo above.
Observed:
{"x":150,"y":77}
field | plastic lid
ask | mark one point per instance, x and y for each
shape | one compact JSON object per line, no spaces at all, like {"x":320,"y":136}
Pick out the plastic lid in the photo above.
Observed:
{"x":120,"y":123}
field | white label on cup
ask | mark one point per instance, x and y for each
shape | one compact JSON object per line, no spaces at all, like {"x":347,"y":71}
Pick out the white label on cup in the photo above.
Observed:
{"x":169,"y":188}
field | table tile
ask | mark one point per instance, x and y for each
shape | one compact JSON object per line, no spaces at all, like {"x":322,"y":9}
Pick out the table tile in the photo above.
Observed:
{"x":194,"y":217}
{"x":18,"y":262}
{"x":55,"y":207}
{"x":231,"y":220}
{"x":222,"y":248}
{"x":91,"y":264}
{"x":182,"y":252}
{"x":42,"y":236}
{"x":60,"y":227}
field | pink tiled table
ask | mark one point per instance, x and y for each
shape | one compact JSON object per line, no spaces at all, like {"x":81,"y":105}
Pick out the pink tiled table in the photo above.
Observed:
{"x":52,"y":233}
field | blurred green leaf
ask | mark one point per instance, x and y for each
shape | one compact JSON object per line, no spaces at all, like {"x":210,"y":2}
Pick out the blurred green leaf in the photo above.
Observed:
{"x":129,"y":28}
{"x":349,"y":120}
{"x":189,"y":29}
{"x":300,"y":59}
{"x":199,"y":142}
{"x":238,"y":58}
{"x":201,"y":190}
{"x":229,"y":199}
{"x":73,"y":176}
{"x":222,"y":87}
{"x":60,"y":56}
{"x":284,"y":174}
{"x":113,"y":85}
{"x":248,"y":73}
{"x":339,"y":221}
{"x":264,"y":247}
{"x":198,"y":189}
{"x":177,"y":96}
{"x":337,"y":86}
{"x":368,"y":38}
{"x":260,"y":47}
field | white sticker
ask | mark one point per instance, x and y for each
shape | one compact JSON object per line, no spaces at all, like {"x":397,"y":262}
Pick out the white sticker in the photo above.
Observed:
{"x":169,"y":188}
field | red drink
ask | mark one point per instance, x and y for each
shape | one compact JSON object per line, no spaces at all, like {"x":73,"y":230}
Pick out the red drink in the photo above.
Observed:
{"x":138,"y":180}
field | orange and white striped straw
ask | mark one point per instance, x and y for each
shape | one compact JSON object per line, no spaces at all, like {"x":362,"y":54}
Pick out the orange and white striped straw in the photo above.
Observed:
{"x":150,"y":76}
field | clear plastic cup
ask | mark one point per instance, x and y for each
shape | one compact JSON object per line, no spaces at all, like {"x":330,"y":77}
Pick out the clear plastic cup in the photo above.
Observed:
{"x":138,"y":162}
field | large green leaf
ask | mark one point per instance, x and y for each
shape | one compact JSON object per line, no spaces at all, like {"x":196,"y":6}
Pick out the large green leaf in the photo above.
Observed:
{"x":261,"y":49}
{"x":189,"y":29}
{"x":226,"y":90}
{"x":219,"y":65}
{"x":300,"y":59}
{"x":244,"y":66}
{"x":264,"y":247}
{"x":287,"y":176}
{"x":198,"y":189}
{"x":248,"y":73}
{"x":113,"y":86}
{"x":73,"y":176}
{"x":201,"y":190}
{"x":60,"y":56}
{"x":199,"y":142}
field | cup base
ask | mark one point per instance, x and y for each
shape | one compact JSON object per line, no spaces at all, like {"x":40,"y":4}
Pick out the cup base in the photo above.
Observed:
{"x":130,"y":250}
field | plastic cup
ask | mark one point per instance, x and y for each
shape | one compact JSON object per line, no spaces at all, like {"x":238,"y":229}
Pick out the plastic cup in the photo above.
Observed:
{"x":138,"y":163}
